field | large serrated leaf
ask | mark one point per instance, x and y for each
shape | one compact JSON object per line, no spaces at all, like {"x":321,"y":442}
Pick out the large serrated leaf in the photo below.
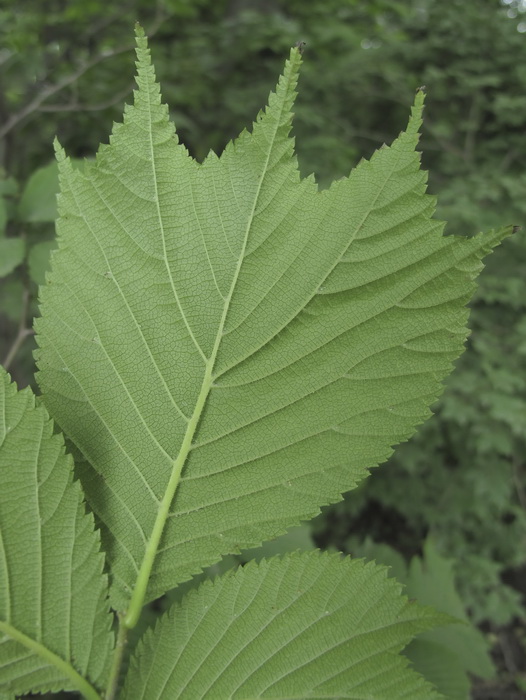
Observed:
{"x":54,"y":614}
{"x":305,"y":626}
{"x":230,"y":348}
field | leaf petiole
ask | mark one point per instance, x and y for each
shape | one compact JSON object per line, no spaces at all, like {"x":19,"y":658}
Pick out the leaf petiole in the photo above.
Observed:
{"x":139,"y":592}
{"x":118,"y":656}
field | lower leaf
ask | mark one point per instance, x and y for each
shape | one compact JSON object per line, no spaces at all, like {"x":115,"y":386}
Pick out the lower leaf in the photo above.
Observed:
{"x":308,"y":625}
{"x":54,"y":615}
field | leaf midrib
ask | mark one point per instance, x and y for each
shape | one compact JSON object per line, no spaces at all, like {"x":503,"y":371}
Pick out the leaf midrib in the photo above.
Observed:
{"x":139,"y":593}
{"x":338,"y":260}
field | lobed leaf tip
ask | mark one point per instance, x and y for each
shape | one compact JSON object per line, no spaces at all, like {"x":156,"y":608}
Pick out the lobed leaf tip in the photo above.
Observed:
{"x":420,"y":98}
{"x":139,"y":31}
{"x":415,"y":119}
{"x":60,"y":153}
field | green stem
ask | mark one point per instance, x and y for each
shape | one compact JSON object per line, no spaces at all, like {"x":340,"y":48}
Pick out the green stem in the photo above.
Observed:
{"x":118,"y":656}
{"x":139,"y":592}
{"x":77,"y":681}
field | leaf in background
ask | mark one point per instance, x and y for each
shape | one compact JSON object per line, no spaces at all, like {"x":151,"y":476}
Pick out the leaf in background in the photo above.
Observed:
{"x":379,"y":552}
{"x":12,"y":300}
{"x":8,"y":187}
{"x":297,"y":538}
{"x":54,"y":621}
{"x":38,"y":260}
{"x":38,"y":202}
{"x":309,"y":625}
{"x":440,"y":666}
{"x":432,"y":582}
{"x":12,"y":251}
{"x":227,"y":333}
{"x":446,"y":655}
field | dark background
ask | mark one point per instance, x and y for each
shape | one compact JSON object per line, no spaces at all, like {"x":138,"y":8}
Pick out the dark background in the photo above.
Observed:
{"x":66,"y":70}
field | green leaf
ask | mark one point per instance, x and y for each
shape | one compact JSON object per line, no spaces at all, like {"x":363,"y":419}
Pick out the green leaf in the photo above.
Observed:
{"x":54,"y":621}
{"x":441,"y":666}
{"x":230,"y":348}
{"x":12,"y":300}
{"x":297,"y":538}
{"x":306,"y":626}
{"x":8,"y":187}
{"x":432,"y":582}
{"x":38,"y":202}
{"x":38,"y":260}
{"x":12,"y":251}
{"x":445,"y":655}
{"x":381,"y":553}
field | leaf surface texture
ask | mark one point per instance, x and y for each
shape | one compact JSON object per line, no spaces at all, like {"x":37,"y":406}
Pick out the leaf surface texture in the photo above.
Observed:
{"x":54,"y":612}
{"x":226,"y":332}
{"x":306,"y":626}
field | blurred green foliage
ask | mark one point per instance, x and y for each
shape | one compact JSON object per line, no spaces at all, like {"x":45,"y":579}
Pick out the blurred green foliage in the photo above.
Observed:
{"x":66,"y":69}
{"x":446,"y":655}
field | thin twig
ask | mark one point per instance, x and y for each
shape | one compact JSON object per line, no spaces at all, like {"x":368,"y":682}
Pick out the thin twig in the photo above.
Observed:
{"x":23,"y":331}
{"x":118,"y":657}
{"x":76,"y":107}
{"x":471,"y":124}
{"x":49,"y":90}
{"x":507,"y":654}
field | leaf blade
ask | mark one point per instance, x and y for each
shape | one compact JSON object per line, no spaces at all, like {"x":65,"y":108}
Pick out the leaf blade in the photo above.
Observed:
{"x":38,"y":199}
{"x":306,"y":626}
{"x":12,"y":252}
{"x":53,"y":593}
{"x":261,"y":315}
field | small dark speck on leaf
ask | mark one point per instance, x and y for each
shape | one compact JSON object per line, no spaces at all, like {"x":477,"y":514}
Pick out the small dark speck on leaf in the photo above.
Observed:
{"x":300,"y":45}
{"x":515,"y":229}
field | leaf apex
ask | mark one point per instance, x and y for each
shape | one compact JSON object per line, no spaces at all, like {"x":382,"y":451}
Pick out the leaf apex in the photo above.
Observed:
{"x":60,"y":153}
{"x":142,"y":51}
{"x":415,"y":120}
{"x":139,"y":31}
{"x":294,"y":61}
{"x":63,"y":162}
{"x":145,"y":76}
